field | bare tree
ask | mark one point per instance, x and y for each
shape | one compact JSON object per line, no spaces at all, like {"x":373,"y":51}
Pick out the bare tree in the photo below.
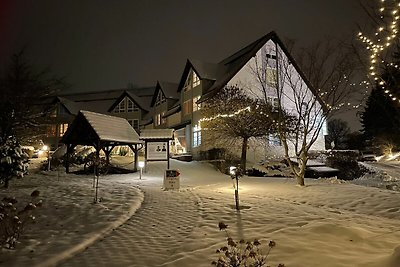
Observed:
{"x":232,"y":115}
{"x":338,"y":131}
{"x":310,"y":91}
{"x":22,"y":105}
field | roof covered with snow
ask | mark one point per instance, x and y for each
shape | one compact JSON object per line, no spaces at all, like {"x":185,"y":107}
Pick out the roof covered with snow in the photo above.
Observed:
{"x":90,"y":128}
{"x":146,"y":134}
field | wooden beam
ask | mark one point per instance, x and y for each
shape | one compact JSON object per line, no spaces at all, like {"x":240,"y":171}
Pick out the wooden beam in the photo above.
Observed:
{"x":70,"y":147}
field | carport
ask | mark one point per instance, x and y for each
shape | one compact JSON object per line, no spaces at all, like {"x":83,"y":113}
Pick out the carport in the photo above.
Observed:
{"x":103,"y":132}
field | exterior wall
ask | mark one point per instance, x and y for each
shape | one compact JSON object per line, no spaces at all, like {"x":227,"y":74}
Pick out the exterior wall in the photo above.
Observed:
{"x":174,"y":119}
{"x":253,"y":76}
{"x":188,"y":114}
{"x":128,"y":115}
{"x":59,"y":121}
{"x":159,"y":111}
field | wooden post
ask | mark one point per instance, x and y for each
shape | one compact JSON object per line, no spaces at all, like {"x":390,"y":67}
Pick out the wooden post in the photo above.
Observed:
{"x":97,"y":171}
{"x":145,"y":156}
{"x":69,"y":148}
{"x":168,"y":154}
{"x":107,"y":150}
{"x":136,"y":156}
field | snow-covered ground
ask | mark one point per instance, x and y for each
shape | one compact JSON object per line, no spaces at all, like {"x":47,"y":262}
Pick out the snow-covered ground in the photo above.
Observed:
{"x":326,"y":223}
{"x":383,"y":174}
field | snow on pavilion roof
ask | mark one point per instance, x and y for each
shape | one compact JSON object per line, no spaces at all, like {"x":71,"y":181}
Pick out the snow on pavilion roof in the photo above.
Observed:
{"x":89,"y":127}
{"x":146,"y":134}
{"x":111,"y":128}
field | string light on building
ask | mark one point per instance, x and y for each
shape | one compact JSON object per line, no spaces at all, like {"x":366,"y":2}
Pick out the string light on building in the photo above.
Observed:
{"x":226,"y":115}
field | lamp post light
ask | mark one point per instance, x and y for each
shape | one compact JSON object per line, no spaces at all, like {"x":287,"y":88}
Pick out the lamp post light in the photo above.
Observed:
{"x":46,"y":148}
{"x":141,"y":165}
{"x":234,"y":172}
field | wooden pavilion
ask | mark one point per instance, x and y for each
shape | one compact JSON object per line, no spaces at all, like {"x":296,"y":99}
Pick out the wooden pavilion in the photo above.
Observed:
{"x":103,"y":132}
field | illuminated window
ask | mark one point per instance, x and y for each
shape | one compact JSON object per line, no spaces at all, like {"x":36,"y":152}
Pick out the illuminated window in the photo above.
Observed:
{"x":196,"y":106}
{"x":196,"y":80}
{"x":120,"y":108}
{"x":163,"y":120}
{"x":192,"y":81}
{"x":187,"y":107}
{"x":196,"y":136}
{"x":63,"y":128}
{"x":157,"y":119}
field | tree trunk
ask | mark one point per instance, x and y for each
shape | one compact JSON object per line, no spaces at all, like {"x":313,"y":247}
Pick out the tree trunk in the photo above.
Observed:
{"x":6,"y":182}
{"x":302,"y":169}
{"x":300,"y":180}
{"x":244,"y":154}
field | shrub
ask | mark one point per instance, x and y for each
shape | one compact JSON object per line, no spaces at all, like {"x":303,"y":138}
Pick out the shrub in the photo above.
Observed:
{"x":242,"y":253}
{"x":13,"y":220}
{"x":13,"y":161}
{"x":346,"y":162}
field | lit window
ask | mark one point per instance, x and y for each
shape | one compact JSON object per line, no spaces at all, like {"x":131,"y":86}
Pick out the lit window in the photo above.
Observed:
{"x":187,"y":107}
{"x":63,"y":128}
{"x":196,"y":80}
{"x":196,"y":106}
{"x":163,"y":120}
{"x":192,"y":81}
{"x":157,"y":119}
{"x":196,"y":136}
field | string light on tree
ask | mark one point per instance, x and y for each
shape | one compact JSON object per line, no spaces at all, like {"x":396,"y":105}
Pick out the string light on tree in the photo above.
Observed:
{"x":384,"y":37}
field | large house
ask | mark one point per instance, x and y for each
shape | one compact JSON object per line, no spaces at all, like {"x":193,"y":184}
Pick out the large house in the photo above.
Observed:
{"x":256,"y":68}
{"x":131,"y":104}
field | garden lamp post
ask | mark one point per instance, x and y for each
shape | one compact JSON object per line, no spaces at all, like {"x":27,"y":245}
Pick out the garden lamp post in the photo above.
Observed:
{"x":141,"y":165}
{"x":47,"y":149}
{"x":234,"y":172}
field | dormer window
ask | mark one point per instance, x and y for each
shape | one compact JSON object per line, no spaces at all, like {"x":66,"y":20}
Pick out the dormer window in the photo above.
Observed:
{"x":188,"y":84}
{"x":120,"y":108}
{"x":131,"y":106}
{"x":192,"y":81}
{"x":160,"y":98}
{"x":196,"y":79}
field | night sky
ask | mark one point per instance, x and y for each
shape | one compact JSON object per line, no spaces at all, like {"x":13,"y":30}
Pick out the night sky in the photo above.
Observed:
{"x":101,"y":45}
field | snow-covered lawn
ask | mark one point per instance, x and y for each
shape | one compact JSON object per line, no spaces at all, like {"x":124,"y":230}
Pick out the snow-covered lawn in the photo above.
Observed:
{"x":323,"y":224}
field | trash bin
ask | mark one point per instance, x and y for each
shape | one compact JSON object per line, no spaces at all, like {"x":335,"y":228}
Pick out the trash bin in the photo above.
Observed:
{"x":171,"y":179}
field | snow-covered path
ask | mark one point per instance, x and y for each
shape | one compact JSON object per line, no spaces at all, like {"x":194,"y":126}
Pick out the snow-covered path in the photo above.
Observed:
{"x":149,"y":237}
{"x":326,"y":223}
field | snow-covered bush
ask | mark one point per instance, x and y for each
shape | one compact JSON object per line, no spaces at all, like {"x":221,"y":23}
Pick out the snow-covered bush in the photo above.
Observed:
{"x":13,"y":219}
{"x":242,"y":253}
{"x":346,"y":161}
{"x":13,"y":160}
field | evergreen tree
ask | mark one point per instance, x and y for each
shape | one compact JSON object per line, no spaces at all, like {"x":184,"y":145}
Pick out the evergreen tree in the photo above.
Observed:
{"x":381,"y":117}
